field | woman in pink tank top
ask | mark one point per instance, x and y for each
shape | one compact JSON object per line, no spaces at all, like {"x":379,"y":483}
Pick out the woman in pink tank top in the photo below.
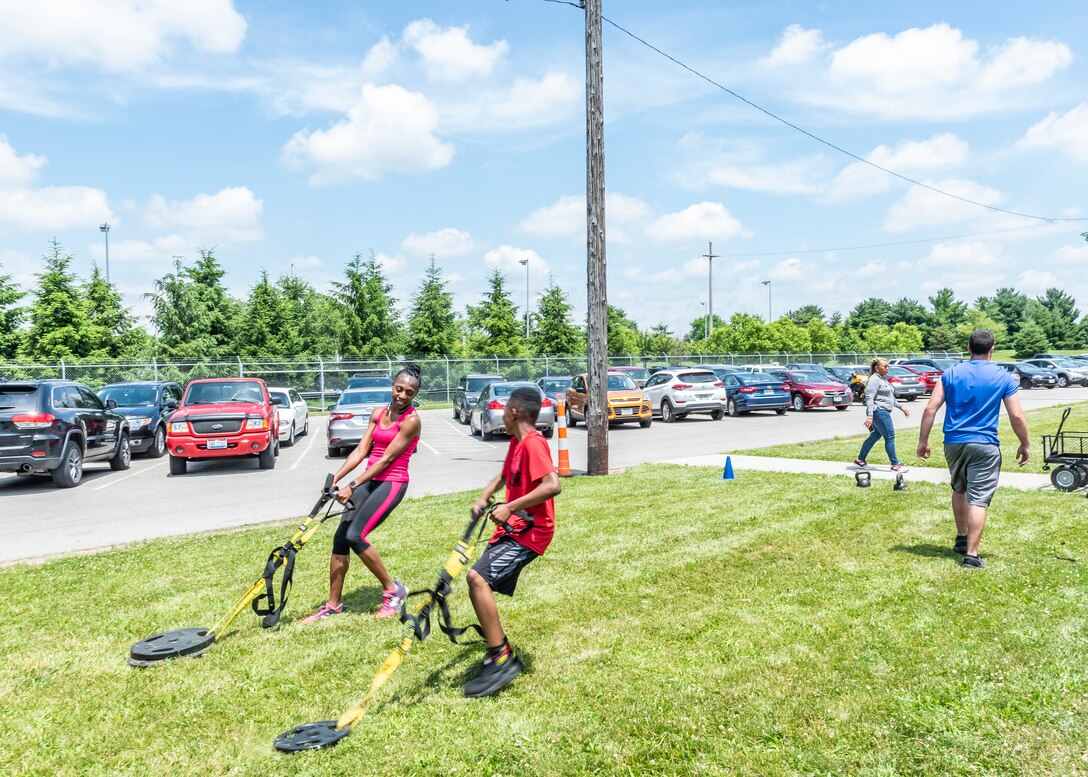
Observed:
{"x":390,"y":440}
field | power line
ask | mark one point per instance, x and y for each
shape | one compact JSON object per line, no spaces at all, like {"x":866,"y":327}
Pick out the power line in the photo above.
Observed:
{"x":818,"y":139}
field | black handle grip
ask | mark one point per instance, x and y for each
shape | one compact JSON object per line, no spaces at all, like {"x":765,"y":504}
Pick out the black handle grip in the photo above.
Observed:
{"x":524,"y":516}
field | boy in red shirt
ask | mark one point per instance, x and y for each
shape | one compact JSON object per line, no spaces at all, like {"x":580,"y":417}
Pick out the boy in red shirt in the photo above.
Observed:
{"x":531,"y":482}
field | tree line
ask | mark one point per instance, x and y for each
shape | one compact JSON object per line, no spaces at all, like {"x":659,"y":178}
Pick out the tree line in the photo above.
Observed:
{"x":195,"y":318}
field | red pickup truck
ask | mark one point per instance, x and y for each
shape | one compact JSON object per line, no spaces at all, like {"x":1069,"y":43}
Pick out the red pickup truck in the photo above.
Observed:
{"x":222,"y":417}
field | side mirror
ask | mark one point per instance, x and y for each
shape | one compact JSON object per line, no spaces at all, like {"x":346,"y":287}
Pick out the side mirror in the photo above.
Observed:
{"x":171,"y":404}
{"x":111,"y":404}
{"x":330,"y":407}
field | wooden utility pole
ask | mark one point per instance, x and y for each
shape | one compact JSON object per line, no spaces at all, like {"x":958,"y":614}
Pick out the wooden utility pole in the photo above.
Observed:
{"x":710,"y":256}
{"x":597,"y":292}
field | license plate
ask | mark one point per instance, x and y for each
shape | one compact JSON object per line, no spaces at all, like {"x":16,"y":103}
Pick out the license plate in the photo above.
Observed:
{"x":217,"y":444}
{"x":768,"y":392}
{"x":627,"y":411}
{"x":702,"y":396}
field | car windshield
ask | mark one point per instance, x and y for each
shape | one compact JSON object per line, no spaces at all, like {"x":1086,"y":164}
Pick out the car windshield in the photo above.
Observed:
{"x":130,"y":396}
{"x":365,"y":397}
{"x":506,"y":389}
{"x":1067,"y":362}
{"x":365,"y":382}
{"x":756,"y":379}
{"x":945,"y":364}
{"x":902,"y":372}
{"x":807,"y":376}
{"x":1027,"y":369}
{"x":621,"y":383}
{"x":18,"y":398}
{"x":697,"y":377}
{"x":476,"y":385}
{"x":214,"y":393}
{"x":552,"y":385}
{"x":637,"y":373}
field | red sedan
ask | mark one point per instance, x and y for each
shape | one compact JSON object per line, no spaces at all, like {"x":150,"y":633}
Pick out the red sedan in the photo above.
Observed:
{"x":811,"y":389}
{"x":928,"y":375}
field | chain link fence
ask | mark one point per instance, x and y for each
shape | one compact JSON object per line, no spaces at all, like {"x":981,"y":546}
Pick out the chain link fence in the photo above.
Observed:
{"x":322,"y":380}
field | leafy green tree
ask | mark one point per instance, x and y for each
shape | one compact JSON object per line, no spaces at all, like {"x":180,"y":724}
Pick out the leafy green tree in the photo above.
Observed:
{"x":432,"y":323}
{"x":58,"y":316}
{"x":623,"y":333}
{"x":1007,"y":306}
{"x":494,"y":325}
{"x":745,"y":333}
{"x":942,"y":338}
{"x":11,"y":315}
{"x":1030,"y":340}
{"x":553,"y":331}
{"x":806,"y":313}
{"x":373,"y":324}
{"x":698,"y":329}
{"x":947,"y":310}
{"x":822,"y":337}
{"x":868,"y":313}
{"x":111,"y":329}
{"x":978,"y":319}
{"x":1059,"y":321}
{"x":909,"y":311}
{"x":659,"y":340}
{"x":784,"y":336}
{"x":901,"y":338}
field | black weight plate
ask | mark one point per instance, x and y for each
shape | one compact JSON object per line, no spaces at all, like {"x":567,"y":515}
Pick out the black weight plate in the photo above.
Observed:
{"x":310,"y":736}
{"x":172,"y":644}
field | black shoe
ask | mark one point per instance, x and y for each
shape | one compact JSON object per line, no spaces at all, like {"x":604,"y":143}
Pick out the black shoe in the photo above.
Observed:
{"x":973,"y":562}
{"x":494,"y":676}
{"x":961,"y":545}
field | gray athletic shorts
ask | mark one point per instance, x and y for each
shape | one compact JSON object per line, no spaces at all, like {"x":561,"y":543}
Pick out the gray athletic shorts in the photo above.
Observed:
{"x":975,"y":468}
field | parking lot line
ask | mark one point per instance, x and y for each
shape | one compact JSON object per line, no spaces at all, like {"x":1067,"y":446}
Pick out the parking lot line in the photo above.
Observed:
{"x":431,"y":448}
{"x":112,"y":481}
{"x":313,"y":441}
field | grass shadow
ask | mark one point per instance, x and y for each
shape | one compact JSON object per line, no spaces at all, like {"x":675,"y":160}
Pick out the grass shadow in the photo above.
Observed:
{"x":925,"y":549}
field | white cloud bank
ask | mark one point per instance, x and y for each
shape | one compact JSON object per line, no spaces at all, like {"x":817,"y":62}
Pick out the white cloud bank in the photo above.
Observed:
{"x":229,"y":214}
{"x":25,"y":208}
{"x":1067,"y":132}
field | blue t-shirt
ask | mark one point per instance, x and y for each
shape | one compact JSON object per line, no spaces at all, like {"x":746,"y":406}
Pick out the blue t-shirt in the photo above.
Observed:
{"x":973,"y":392}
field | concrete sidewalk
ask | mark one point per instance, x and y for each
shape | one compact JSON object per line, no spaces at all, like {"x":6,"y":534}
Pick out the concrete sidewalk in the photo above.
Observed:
{"x":1024,"y":481}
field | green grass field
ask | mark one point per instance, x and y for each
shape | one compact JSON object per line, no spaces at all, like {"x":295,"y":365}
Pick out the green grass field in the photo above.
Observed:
{"x":680,"y":625}
{"x":845,"y":449}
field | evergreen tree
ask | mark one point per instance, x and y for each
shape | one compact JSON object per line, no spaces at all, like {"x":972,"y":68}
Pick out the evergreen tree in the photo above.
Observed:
{"x":947,"y":310}
{"x":263,"y":328}
{"x":313,"y":322}
{"x":909,"y":311}
{"x":373,"y":326}
{"x":58,"y":318}
{"x":111,"y":329}
{"x":432,"y":324}
{"x":658,"y":340}
{"x":180,"y":316}
{"x":1059,"y":322}
{"x":978,"y":319}
{"x":943,"y":338}
{"x":1030,"y":340}
{"x":868,"y":313}
{"x":221,"y":311}
{"x":494,"y":324}
{"x":11,"y":315}
{"x":1007,"y":306}
{"x":553,"y":332}
{"x":806,"y":313}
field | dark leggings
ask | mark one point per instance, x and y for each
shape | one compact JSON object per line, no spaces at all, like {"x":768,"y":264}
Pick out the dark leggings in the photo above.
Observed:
{"x":374,"y":501}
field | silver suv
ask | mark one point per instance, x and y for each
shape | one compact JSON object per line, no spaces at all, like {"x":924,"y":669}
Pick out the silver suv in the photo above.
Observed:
{"x":675,"y":393}
{"x":468,"y":392}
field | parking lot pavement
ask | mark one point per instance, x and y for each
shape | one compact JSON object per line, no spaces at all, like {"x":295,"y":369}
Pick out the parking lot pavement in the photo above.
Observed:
{"x":111,"y":508}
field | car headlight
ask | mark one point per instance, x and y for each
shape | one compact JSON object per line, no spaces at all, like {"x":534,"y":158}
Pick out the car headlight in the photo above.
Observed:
{"x":179,"y":427}
{"x":256,"y":422}
{"x":142,"y":422}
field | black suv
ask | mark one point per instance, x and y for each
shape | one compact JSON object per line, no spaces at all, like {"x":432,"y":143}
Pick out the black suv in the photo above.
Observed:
{"x":56,"y":426}
{"x":468,"y":391}
{"x":147,"y":405}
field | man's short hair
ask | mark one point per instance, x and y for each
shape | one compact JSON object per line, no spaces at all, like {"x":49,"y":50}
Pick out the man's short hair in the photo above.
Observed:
{"x":981,"y":342}
{"x":526,"y":400}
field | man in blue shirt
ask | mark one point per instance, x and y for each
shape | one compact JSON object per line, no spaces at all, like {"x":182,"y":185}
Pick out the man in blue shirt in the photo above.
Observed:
{"x":973,"y":393}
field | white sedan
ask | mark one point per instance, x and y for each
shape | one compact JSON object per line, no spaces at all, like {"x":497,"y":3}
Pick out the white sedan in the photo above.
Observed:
{"x":293,"y":412}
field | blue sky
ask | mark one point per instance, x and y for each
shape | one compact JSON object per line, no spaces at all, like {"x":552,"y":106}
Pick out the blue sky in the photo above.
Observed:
{"x":291,"y":135}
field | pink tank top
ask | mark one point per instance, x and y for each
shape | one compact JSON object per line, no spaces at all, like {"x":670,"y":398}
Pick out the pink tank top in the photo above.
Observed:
{"x":396,"y":472}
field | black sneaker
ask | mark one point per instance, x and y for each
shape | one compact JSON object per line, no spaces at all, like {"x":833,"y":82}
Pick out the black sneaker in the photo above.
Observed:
{"x":961,"y":545}
{"x":973,"y":562}
{"x":494,"y":676}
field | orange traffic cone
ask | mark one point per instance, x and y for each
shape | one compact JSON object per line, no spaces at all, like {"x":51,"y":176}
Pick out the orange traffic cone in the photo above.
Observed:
{"x":564,"y":454}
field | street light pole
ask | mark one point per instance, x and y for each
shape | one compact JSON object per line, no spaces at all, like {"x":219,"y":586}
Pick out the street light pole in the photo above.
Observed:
{"x":706,"y":322}
{"x":105,"y":229}
{"x":710,"y":256}
{"x":768,"y":285}
{"x":526,"y":263}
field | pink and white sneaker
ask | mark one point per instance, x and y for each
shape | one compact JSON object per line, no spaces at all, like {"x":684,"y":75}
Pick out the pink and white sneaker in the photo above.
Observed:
{"x":392,"y":601}
{"x":324,"y":611}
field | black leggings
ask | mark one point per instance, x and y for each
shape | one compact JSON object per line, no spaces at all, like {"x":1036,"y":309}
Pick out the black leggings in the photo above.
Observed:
{"x":374,"y":501}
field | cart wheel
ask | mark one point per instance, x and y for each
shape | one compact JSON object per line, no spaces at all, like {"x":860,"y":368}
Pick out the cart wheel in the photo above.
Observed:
{"x":1082,"y":472}
{"x":1065,"y":478}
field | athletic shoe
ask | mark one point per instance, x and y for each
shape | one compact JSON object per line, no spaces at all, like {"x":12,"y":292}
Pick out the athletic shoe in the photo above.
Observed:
{"x":494,"y":676}
{"x":961,"y":545}
{"x":392,"y":601}
{"x":324,"y":611}
{"x":973,"y":562}
{"x":897,"y":468}
{"x":860,"y":463}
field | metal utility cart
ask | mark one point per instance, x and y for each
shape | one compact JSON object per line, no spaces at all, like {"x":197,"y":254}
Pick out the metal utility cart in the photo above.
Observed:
{"x":1069,"y":450}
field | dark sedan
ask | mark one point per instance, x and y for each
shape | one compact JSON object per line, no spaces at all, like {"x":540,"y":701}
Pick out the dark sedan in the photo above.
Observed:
{"x":1029,"y":375}
{"x":748,"y":391}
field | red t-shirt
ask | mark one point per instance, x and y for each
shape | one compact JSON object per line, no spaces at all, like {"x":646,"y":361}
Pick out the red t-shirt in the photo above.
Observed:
{"x":529,"y":461}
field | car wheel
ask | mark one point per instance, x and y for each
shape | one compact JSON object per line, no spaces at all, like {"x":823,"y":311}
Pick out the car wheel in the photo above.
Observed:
{"x":306,"y":426}
{"x":571,"y":422}
{"x":158,"y":444}
{"x":668,"y":415}
{"x":266,"y":459}
{"x":464,"y":416}
{"x":456,"y":414}
{"x":549,"y":432}
{"x":122,"y":459}
{"x":798,"y":403}
{"x":333,"y":452}
{"x":1063,"y":381}
{"x":646,"y":424}
{"x":733,"y":408}
{"x":780,"y":411}
{"x":485,"y":435}
{"x":471,"y":427}
{"x":290,"y":437}
{"x":911,"y":399}
{"x":178,"y":465}
{"x":70,"y":471}
{"x":842,"y":407}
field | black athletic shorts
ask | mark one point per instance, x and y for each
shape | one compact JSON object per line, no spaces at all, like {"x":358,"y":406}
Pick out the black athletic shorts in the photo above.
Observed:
{"x":501,"y":563}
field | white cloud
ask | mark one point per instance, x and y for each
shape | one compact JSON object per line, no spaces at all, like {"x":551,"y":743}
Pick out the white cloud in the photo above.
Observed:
{"x":526,"y":103}
{"x":930,"y":73}
{"x":1035,"y":282}
{"x":390,"y":265}
{"x":17,"y":170}
{"x":389,"y":130}
{"x":799,"y":176}
{"x":872,"y":269}
{"x":699,"y":222}
{"x":231,"y":214}
{"x":156,"y":253}
{"x":449,"y":55}
{"x":1067,"y":132}
{"x":796,"y":46}
{"x":381,"y":56}
{"x":116,"y":35}
{"x":310,"y":262}
{"x":448,"y":243}
{"x":566,"y":217}
{"x":508,"y":259}
{"x":910,"y":156}
{"x":922,"y":207}
{"x":53,"y":208}
{"x":791,"y":269}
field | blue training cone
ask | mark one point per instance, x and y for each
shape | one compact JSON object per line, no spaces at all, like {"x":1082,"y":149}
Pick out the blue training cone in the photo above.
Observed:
{"x":728,"y":473}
